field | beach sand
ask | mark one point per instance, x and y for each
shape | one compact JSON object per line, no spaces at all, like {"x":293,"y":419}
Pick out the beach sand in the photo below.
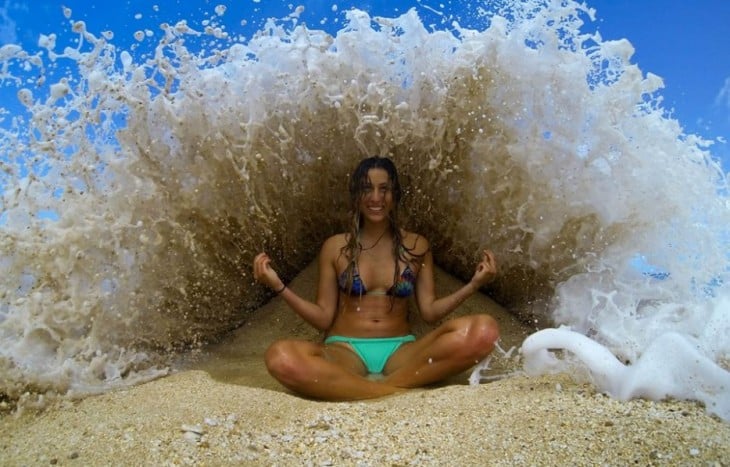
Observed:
{"x":222,"y":408}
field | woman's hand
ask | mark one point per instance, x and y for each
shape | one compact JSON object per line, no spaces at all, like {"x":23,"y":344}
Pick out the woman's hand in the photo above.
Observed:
{"x":264,"y":273}
{"x":486,"y":270}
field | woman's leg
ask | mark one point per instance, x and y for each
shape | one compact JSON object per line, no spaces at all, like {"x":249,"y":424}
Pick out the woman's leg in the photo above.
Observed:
{"x":451,"y":348}
{"x":331,"y":372}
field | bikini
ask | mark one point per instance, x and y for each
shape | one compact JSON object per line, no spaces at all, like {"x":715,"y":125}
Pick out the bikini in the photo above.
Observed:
{"x":375,"y":351}
{"x":403,"y":288}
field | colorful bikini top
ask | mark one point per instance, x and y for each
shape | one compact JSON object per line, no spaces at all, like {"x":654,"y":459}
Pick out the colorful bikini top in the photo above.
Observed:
{"x":403,"y":288}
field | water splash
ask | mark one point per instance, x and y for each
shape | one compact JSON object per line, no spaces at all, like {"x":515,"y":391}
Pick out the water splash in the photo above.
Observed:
{"x":671,"y":366}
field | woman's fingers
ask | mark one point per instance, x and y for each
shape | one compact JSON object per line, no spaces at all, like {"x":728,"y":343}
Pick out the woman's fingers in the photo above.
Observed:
{"x":487,"y":268}
{"x":260,"y":264}
{"x":490,"y":259}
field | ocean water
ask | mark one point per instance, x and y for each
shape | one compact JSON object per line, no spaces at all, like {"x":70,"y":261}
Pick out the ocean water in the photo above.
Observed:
{"x":140,"y":179}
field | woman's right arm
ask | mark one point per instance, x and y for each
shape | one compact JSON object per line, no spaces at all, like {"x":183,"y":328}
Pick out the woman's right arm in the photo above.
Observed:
{"x":320,"y":313}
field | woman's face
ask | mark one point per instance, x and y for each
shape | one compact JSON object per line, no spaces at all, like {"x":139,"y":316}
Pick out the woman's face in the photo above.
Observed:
{"x":376,"y":201}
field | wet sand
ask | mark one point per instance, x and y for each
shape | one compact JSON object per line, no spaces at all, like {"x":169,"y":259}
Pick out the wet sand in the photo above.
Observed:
{"x":222,"y":408}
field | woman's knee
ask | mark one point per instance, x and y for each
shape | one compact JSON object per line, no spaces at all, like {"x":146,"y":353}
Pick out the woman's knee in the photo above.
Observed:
{"x":487,"y":329}
{"x":480,"y":333}
{"x":284,"y":361}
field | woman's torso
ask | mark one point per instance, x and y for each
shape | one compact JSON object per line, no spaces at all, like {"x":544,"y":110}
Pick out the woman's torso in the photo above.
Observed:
{"x":375,"y":301}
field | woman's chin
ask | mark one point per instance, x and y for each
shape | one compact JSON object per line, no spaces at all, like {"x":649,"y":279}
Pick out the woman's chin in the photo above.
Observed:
{"x":376,"y":218}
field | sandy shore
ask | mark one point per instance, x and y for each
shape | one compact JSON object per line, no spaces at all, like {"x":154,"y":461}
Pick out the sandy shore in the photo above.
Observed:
{"x":224,"y":409}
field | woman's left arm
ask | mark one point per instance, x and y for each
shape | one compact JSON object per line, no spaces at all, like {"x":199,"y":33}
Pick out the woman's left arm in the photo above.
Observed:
{"x":432,"y":308}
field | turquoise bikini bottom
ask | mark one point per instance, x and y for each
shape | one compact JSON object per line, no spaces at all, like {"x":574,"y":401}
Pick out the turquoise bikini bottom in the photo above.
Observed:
{"x":373,"y":351}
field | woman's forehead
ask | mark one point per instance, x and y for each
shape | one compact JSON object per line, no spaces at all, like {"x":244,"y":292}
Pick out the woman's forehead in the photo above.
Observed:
{"x":376,"y":176}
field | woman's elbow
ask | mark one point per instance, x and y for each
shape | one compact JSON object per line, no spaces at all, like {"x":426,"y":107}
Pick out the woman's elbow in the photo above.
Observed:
{"x":324,"y":322}
{"x":429,"y":317}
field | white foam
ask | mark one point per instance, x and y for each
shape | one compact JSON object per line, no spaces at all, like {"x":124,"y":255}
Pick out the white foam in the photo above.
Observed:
{"x":673,"y":365}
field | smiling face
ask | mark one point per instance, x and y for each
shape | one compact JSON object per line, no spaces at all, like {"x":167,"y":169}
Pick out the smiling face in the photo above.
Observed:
{"x":375,"y":192}
{"x":376,"y":200}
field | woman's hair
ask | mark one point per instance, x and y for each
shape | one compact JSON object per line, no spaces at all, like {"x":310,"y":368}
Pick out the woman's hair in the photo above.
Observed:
{"x":359,"y":182}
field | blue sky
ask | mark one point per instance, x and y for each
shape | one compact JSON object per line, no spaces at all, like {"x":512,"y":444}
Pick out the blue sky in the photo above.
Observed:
{"x":684,"y":42}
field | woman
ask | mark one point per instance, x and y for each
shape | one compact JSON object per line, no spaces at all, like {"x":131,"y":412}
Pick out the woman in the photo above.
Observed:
{"x":365,"y":279}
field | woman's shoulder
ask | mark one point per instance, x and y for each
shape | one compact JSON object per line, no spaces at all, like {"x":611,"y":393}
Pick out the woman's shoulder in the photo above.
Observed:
{"x":416,"y":244}
{"x":331,"y":251}
{"x":335,"y":243}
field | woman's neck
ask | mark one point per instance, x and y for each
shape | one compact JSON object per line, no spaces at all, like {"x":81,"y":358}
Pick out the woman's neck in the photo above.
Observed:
{"x":372,"y":235}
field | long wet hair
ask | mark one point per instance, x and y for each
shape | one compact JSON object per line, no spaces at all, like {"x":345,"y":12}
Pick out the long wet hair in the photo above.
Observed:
{"x":359,"y":181}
